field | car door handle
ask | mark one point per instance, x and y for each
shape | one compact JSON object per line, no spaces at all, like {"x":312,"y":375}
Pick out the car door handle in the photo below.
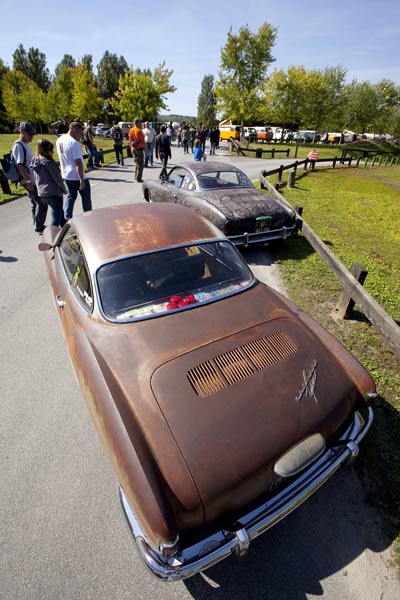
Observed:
{"x":60,"y":303}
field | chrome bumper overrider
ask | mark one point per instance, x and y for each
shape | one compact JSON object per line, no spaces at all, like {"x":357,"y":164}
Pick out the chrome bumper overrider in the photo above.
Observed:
{"x":189,"y":561}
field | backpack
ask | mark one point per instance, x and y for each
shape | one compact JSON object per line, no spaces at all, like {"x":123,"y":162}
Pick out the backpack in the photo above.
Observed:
{"x":117,"y":134}
{"x":10,"y":168}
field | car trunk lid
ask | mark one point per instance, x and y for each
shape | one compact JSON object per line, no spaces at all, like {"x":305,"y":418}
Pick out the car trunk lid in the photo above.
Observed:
{"x":236,"y":405}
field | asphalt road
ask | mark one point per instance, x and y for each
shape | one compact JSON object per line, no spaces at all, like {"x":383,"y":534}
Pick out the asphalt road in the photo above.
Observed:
{"x":62,"y":533}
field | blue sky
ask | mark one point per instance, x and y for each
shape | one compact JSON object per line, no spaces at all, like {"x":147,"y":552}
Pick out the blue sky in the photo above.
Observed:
{"x":360,"y":35}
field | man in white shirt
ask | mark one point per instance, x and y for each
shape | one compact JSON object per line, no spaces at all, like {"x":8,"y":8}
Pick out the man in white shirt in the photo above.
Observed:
{"x":71,"y":160}
{"x":149,"y":137}
{"x":22,"y":155}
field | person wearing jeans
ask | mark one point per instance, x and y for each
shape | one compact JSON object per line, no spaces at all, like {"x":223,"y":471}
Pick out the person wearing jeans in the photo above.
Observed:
{"x":73,"y":187}
{"x":23,"y":155}
{"x":93,"y":153}
{"x":71,"y":160}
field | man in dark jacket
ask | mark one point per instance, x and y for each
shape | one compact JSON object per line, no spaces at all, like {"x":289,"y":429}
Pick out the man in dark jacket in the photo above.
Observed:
{"x":163,"y":150}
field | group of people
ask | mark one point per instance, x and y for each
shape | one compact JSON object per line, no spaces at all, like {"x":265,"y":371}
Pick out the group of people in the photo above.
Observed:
{"x":144,"y":142}
{"x":41,"y":177}
{"x":46,"y":186}
{"x":187,"y":135}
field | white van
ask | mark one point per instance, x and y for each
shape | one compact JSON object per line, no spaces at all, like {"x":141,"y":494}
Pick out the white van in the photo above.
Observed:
{"x":125,"y":126}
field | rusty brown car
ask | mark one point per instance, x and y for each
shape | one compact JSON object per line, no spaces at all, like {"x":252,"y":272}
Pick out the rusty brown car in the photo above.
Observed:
{"x":221,"y":405}
{"x":224,"y":195}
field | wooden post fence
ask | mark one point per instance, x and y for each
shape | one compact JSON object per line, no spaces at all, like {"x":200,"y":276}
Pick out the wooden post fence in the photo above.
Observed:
{"x":386,"y":326}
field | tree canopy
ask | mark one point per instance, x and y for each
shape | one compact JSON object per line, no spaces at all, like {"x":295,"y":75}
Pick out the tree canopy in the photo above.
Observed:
{"x":245,"y":59}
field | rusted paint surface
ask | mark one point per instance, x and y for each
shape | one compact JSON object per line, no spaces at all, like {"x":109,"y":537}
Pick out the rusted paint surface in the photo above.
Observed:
{"x":241,"y":206}
{"x":185,"y":460}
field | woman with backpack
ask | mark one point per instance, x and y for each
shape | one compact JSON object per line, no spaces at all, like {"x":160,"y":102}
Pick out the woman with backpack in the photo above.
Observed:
{"x":116,"y":135}
{"x":48,"y":181}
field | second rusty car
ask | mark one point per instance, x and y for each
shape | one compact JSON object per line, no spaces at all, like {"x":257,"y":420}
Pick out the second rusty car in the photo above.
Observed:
{"x":225,"y":196}
{"x":221,"y":405}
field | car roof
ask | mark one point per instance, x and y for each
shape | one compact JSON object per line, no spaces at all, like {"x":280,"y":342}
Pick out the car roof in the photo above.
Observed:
{"x":109,"y":233}
{"x":205,"y":166}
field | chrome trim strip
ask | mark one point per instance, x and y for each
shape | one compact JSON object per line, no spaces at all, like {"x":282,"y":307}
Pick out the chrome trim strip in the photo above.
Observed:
{"x":222,"y":544}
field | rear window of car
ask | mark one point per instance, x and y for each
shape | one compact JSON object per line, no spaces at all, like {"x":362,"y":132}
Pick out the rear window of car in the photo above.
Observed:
{"x":181,"y":278}
{"x":221,"y":179}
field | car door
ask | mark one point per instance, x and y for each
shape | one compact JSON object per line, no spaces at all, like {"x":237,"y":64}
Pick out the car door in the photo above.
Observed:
{"x":72,"y":286}
{"x":173,"y":191}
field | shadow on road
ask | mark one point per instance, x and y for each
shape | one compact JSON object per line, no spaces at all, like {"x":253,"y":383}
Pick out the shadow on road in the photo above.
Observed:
{"x":292,"y":559}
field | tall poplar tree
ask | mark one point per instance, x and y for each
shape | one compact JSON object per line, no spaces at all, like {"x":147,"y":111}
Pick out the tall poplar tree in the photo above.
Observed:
{"x":33,"y":65}
{"x":245,"y":59}
{"x":206,"y":102}
{"x":109,"y":69}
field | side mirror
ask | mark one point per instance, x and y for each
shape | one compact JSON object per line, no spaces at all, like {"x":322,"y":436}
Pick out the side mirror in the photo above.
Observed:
{"x":43,"y":246}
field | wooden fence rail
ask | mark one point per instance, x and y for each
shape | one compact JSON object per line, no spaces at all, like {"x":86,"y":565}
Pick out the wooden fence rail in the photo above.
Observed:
{"x":386,"y":326}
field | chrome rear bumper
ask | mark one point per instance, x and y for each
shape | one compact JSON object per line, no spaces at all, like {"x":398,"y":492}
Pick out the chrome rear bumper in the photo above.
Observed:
{"x":245,"y":239}
{"x":199,"y":557}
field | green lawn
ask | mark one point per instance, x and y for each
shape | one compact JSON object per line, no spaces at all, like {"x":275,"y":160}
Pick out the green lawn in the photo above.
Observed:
{"x":355,"y":211}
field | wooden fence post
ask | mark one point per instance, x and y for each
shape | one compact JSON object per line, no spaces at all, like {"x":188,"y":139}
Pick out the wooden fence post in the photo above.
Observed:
{"x":358,"y":161}
{"x":334,"y":162}
{"x":291,"y":179}
{"x":373,"y":161}
{"x":366,"y":162}
{"x":346,"y":304}
{"x":380,"y":160}
{"x":386,"y":160}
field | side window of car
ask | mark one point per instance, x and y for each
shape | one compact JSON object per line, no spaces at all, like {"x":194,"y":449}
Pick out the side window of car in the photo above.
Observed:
{"x":177,"y":176}
{"x":76,"y":270}
{"x":189,"y":183}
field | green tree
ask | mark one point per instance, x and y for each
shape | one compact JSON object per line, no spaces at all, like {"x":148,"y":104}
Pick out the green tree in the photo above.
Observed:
{"x":86,"y":103}
{"x":58,"y":100}
{"x":206,"y":102}
{"x":245,"y":59}
{"x":87,"y":62}
{"x":33,"y":65}
{"x":161,"y":79}
{"x":67,"y":62}
{"x":309,"y":99}
{"x":5,"y":121}
{"x":109,"y":69}
{"x":142,"y":93}
{"x":23,"y":98}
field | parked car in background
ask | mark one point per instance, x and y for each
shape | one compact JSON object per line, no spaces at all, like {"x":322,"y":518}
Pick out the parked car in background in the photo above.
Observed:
{"x":250,"y":134}
{"x":226,"y":197}
{"x":264,"y":134}
{"x":103,"y":131}
{"x":334,"y":138}
{"x":221,"y":405}
{"x":125,"y":127}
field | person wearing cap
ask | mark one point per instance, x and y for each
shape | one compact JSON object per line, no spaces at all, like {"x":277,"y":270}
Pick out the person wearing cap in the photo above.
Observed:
{"x":22,"y":155}
{"x":71,"y":160}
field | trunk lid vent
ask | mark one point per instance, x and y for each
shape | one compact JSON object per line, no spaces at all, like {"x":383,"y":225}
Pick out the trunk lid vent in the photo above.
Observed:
{"x":231,"y":367}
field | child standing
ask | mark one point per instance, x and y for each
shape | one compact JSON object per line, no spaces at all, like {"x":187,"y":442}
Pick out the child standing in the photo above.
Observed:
{"x":49,"y":183}
{"x":198,"y":153}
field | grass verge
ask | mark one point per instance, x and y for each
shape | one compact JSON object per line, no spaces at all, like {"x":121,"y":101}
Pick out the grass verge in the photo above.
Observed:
{"x":355,"y":212}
